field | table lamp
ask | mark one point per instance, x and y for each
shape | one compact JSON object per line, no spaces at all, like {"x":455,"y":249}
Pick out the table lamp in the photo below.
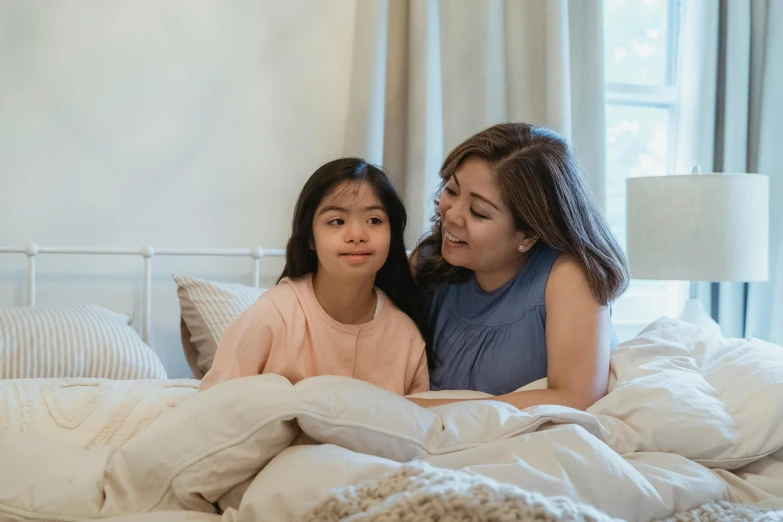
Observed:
{"x":699,"y":227}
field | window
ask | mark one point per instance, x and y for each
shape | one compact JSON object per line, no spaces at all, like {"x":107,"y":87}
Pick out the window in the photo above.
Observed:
{"x":640,"y":61}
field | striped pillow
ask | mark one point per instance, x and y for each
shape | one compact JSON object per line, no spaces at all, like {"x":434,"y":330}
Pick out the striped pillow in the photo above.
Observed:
{"x":207,"y":309}
{"x":73,"y":340}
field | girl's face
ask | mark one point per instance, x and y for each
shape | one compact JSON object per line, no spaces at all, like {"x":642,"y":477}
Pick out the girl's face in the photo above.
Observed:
{"x":351,"y":232}
{"x":477,"y":227}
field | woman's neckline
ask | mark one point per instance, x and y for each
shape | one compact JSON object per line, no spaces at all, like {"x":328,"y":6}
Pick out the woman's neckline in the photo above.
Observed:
{"x":522,"y":269}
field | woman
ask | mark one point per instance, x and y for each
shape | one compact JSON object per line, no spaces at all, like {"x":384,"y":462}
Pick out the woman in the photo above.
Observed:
{"x":518,"y":273}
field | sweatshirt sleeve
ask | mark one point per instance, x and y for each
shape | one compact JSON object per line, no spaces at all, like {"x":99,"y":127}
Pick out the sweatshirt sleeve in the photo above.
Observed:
{"x":244,"y":347}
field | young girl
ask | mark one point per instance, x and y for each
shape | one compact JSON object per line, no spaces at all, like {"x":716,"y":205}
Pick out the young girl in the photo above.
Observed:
{"x":346,"y":302}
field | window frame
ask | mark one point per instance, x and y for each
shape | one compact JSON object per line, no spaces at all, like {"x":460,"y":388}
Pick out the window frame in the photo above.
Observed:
{"x":666,"y":96}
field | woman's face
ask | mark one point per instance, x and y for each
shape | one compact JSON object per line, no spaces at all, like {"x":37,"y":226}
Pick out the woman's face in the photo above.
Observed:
{"x":477,"y":227}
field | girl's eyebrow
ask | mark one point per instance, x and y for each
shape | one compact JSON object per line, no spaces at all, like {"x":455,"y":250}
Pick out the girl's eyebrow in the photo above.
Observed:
{"x":335,"y":208}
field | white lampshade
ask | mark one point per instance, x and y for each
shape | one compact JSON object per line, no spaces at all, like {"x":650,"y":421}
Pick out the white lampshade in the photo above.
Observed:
{"x":699,"y":227}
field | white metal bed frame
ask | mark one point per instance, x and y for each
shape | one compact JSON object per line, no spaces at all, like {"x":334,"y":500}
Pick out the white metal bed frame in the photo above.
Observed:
{"x":32,"y":251}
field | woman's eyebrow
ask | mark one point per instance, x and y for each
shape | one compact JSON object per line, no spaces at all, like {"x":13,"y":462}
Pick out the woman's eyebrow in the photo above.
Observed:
{"x":485,"y":200}
{"x":477,"y":196}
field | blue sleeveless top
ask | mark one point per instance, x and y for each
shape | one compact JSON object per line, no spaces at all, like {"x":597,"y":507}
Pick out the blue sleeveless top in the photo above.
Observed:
{"x":493,"y":342}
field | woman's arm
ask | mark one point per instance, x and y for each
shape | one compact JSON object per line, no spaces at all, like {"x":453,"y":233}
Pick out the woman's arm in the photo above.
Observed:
{"x":578,"y":337}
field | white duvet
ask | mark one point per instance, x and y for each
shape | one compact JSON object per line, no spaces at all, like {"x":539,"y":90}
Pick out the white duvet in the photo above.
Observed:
{"x":690,"y":418}
{"x":88,"y":412}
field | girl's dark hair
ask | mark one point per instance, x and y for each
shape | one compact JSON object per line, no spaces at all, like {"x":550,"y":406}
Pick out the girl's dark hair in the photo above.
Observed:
{"x":394,"y":277}
{"x":543,"y":186}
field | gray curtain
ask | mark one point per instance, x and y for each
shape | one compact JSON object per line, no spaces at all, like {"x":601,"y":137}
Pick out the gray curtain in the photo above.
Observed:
{"x":764,"y":314}
{"x":732,"y":94}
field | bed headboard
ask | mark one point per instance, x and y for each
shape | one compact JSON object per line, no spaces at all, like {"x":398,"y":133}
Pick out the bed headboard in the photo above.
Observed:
{"x":32,"y":251}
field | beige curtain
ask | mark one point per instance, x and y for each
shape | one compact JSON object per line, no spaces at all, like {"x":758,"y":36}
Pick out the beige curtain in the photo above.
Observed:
{"x":731,"y":73}
{"x":427,"y":74}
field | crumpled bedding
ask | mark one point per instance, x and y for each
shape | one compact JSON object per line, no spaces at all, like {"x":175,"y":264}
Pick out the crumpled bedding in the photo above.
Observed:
{"x":690,"y":418}
{"x":88,"y":412}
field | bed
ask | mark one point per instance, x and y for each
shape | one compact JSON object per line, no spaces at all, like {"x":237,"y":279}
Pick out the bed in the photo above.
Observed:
{"x":87,"y":374}
{"x":692,"y":428}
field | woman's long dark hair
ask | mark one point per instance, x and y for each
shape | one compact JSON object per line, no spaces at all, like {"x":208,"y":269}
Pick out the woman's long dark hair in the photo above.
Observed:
{"x":394,"y":277}
{"x":543,"y":186}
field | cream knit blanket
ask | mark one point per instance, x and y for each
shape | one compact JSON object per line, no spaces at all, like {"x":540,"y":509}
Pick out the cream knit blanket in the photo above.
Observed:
{"x":418,"y":492}
{"x":727,"y":512}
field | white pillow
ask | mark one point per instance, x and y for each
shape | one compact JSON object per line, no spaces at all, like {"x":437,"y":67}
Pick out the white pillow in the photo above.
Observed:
{"x":73,"y":340}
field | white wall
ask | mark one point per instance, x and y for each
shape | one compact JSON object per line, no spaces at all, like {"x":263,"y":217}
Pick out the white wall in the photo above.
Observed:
{"x":185,"y":123}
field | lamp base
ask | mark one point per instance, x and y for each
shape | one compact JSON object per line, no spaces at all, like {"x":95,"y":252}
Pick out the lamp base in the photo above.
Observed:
{"x":695,"y":314}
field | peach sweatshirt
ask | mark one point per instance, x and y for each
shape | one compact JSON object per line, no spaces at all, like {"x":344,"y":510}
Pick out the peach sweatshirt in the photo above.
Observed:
{"x":288,"y":333}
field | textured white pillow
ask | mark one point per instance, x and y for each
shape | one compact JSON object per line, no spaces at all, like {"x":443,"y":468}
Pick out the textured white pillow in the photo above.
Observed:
{"x":73,"y":340}
{"x":207,"y":309}
{"x":682,"y":389}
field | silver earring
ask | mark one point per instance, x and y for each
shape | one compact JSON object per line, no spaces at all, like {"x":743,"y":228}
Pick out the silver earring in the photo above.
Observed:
{"x":521,"y":248}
